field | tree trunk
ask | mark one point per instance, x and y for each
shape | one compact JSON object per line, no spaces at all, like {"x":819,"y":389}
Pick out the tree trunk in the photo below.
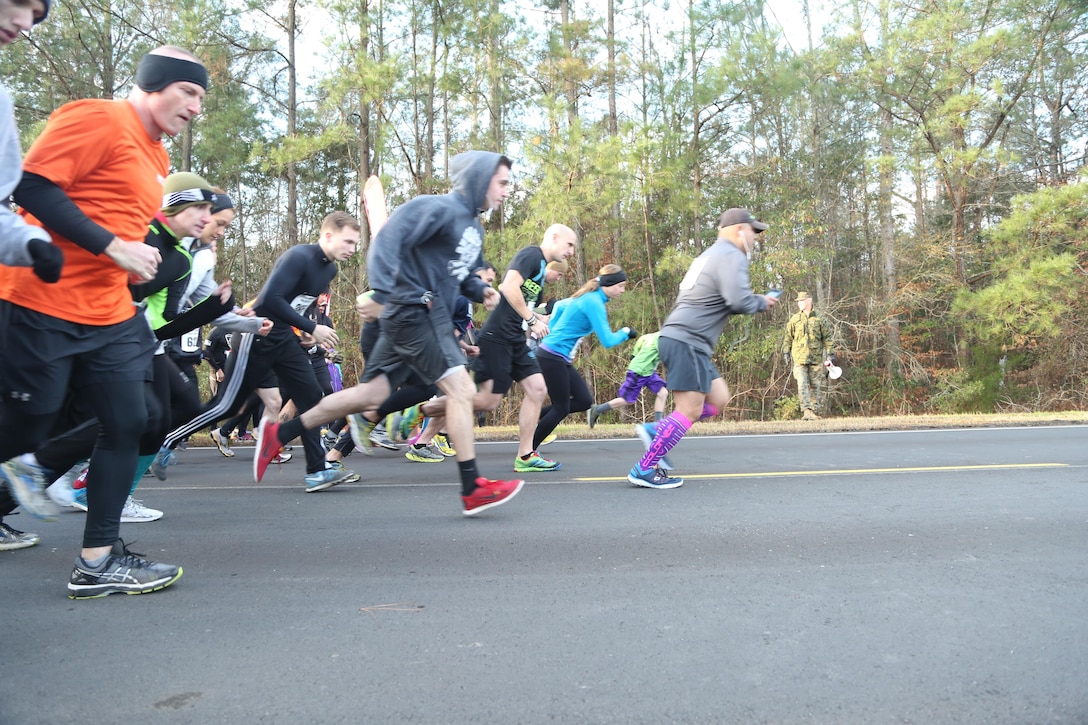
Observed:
{"x":292,"y":100}
{"x":892,"y":343}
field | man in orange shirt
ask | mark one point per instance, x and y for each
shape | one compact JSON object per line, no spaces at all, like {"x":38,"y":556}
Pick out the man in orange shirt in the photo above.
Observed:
{"x":94,"y":180}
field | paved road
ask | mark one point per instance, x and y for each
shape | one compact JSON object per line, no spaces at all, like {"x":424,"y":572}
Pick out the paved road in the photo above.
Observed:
{"x":900,"y":577}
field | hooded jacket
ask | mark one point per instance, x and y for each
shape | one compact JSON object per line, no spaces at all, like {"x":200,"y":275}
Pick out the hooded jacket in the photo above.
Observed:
{"x":428,"y":250}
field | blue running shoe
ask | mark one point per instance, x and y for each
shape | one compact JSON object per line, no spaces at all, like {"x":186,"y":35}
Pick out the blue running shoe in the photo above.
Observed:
{"x":653,"y":479}
{"x":79,"y":498}
{"x":27,"y":483}
{"x":327,"y":479}
{"x":165,"y":457}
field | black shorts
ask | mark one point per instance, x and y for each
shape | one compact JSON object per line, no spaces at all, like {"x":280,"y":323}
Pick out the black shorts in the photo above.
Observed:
{"x":688,"y":368}
{"x":42,"y":356}
{"x":413,"y":340}
{"x":504,"y":362}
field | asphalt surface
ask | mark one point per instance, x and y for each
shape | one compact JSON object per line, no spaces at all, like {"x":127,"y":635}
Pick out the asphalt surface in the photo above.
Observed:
{"x":886,"y":577}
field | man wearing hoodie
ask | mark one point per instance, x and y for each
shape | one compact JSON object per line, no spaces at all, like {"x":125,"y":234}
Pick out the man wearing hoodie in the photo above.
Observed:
{"x":422,"y":259}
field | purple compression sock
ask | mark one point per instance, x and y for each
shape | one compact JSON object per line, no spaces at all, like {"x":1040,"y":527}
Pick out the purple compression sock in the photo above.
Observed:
{"x":669,"y":432}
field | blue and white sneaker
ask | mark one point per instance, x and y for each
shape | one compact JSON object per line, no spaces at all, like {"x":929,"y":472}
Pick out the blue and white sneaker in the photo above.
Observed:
{"x":327,"y":479}
{"x":61,"y":490}
{"x":646,"y":433}
{"x":656,"y":478}
{"x":27,"y":482}
{"x":165,"y":457}
{"x":79,"y":498}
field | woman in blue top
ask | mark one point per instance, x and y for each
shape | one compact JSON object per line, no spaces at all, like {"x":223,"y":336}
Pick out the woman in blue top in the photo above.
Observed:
{"x":571,"y":320}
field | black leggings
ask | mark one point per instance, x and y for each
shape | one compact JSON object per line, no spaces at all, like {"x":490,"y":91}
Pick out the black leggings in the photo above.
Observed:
{"x":122,"y":415}
{"x":567,"y":390}
{"x":61,"y":452}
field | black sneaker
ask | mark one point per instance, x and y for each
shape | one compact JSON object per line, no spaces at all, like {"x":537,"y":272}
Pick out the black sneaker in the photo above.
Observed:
{"x":123,"y":572}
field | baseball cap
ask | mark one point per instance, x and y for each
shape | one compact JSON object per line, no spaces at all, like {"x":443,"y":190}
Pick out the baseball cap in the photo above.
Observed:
{"x":739,"y":216}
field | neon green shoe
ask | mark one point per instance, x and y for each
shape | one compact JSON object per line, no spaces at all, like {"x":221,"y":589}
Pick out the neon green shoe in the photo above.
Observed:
{"x":535,"y":462}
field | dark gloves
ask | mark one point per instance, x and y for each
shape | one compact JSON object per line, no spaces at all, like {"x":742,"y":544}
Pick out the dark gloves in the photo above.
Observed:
{"x":632,"y":333}
{"x":831,"y":358}
{"x":48,"y":260}
{"x":788,"y":358}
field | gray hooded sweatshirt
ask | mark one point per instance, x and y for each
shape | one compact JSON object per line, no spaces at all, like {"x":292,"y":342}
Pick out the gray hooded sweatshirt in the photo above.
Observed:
{"x":429,"y":248}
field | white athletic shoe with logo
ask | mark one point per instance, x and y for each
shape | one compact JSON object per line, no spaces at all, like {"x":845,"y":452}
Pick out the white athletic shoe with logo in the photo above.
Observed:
{"x":136,"y":513}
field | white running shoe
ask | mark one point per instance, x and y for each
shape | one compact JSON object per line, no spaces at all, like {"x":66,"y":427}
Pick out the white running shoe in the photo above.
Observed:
{"x":136,"y":513}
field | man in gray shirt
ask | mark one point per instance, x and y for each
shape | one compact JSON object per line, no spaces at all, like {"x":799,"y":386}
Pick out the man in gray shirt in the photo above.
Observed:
{"x":715,"y":287}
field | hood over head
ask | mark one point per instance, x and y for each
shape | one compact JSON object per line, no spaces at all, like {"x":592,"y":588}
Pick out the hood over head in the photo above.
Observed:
{"x":471,"y":174}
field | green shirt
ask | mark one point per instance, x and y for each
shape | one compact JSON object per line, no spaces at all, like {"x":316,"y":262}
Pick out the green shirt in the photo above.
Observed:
{"x":646,"y":358}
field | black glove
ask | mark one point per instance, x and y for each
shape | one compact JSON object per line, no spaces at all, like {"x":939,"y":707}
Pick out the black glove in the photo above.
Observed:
{"x":632,"y":333}
{"x":831,"y":358}
{"x":48,"y":260}
{"x":788,"y":358}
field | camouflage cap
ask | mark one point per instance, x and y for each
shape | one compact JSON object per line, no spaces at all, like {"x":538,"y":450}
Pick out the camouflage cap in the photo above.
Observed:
{"x":803,"y":296}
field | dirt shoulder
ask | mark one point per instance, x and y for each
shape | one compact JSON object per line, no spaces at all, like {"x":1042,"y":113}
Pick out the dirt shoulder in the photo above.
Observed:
{"x":576,"y":429}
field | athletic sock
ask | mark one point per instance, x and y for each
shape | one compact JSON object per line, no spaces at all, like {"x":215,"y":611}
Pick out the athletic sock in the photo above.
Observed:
{"x":658,"y":416}
{"x":602,"y":408}
{"x":289,"y":430}
{"x":709,"y":411}
{"x":669,"y":432}
{"x":469,"y":474}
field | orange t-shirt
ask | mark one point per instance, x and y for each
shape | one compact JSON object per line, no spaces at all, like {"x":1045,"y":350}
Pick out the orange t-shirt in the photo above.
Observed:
{"x":99,"y":153}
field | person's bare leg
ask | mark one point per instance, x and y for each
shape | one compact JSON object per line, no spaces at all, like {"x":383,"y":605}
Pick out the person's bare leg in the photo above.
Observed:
{"x":460,"y":392}
{"x":436,"y":424}
{"x":273,"y":403}
{"x":362,"y":397}
{"x":529,"y":415}
{"x":663,"y":398}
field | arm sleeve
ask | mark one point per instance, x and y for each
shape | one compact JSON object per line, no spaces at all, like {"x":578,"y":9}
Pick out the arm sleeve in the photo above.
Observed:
{"x":201,"y":281}
{"x":274,"y":297}
{"x":48,"y":202}
{"x":598,"y":318}
{"x":735,"y":288}
{"x":408,"y":226}
{"x":203,"y":313}
{"x":234,"y":322}
{"x":173,"y":266}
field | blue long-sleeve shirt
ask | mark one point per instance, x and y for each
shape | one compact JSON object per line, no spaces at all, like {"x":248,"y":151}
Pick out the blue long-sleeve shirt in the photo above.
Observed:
{"x":577,"y":318}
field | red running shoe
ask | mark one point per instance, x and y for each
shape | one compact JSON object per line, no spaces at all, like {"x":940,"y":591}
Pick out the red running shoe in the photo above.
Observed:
{"x":268,"y":447}
{"x":489,"y":494}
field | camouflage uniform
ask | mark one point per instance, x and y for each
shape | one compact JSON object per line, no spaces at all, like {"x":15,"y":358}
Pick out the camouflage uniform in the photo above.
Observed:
{"x":808,"y":341}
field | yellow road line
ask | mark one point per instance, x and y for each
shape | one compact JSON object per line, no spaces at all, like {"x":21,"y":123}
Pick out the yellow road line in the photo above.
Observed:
{"x":854,"y":471}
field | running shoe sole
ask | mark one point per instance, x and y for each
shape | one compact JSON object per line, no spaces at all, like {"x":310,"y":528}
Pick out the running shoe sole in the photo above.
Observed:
{"x":104,"y":590}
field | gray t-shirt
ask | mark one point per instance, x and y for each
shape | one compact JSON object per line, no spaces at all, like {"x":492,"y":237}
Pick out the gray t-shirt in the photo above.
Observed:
{"x":715,"y":287}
